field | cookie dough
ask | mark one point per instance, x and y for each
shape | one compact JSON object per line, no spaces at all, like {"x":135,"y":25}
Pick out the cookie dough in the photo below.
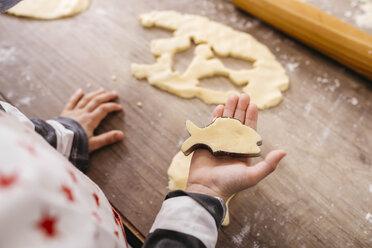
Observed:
{"x":264,"y":82}
{"x":178,"y":174}
{"x":224,"y":136}
{"x":49,"y":9}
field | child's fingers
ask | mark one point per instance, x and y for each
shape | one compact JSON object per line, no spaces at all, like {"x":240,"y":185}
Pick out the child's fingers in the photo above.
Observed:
{"x":84,"y":101}
{"x":251,"y":116}
{"x":217,"y":112}
{"x":74,"y":99}
{"x":242,"y":107}
{"x":108,"y":138}
{"x":230,"y":106}
{"x":256,"y":173}
{"x":103,"y":110}
{"x":99,"y":99}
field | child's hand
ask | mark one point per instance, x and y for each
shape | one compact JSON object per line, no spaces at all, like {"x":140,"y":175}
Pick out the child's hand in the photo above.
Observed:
{"x":225,"y":176}
{"x":89,"y":110}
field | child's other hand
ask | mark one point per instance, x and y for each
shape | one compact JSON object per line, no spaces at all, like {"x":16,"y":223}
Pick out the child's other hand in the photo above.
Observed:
{"x":225,"y":176}
{"x":89,"y":110}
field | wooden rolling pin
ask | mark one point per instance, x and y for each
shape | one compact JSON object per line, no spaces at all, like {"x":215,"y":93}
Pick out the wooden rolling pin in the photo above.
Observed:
{"x":339,"y":40}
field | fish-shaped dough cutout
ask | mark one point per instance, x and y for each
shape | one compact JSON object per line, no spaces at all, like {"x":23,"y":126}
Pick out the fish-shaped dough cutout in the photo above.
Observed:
{"x":224,"y":136}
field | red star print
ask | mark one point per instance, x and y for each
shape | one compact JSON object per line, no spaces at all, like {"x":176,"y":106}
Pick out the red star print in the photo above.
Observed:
{"x":68,"y":193}
{"x":47,"y":225}
{"x":28,"y":147}
{"x":96,"y":235}
{"x":72,"y":174}
{"x":8,"y":181}
{"x":96,"y":198}
{"x":116,"y":234}
{"x":97,"y":216}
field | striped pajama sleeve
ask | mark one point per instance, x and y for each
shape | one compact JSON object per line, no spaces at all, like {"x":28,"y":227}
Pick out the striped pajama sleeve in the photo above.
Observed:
{"x":187,"y":220}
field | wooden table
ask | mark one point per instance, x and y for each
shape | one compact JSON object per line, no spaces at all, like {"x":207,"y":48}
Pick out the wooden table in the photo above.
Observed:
{"x":321,"y":194}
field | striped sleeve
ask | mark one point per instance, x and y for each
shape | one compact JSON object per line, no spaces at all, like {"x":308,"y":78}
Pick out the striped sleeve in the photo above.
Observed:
{"x":187,"y":220}
{"x":68,"y":137}
{"x":79,"y":151}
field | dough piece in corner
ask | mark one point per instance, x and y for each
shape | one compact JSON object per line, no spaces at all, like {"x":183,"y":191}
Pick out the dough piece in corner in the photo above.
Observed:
{"x":224,"y":136}
{"x":264,"y":82}
{"x":178,"y":174}
{"x":49,"y":9}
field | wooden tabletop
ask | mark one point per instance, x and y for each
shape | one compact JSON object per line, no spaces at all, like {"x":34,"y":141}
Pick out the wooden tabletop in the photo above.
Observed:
{"x":321,"y":194}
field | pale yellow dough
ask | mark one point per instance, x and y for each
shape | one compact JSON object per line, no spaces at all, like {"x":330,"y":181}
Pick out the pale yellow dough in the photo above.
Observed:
{"x":226,"y":136}
{"x":178,"y":174}
{"x":264,"y":82}
{"x":49,"y":9}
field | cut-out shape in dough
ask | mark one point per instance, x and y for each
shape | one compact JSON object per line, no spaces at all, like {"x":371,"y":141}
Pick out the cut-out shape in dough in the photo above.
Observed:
{"x":264,"y":82}
{"x":178,"y":174}
{"x":224,"y":136}
{"x":49,"y":9}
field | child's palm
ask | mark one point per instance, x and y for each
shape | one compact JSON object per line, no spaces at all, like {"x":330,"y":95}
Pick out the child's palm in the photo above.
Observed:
{"x":225,"y":176}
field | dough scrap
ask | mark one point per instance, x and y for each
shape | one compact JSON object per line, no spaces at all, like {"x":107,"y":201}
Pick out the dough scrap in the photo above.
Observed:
{"x":226,"y":136}
{"x":178,"y":174}
{"x":264,"y":82}
{"x":49,"y":9}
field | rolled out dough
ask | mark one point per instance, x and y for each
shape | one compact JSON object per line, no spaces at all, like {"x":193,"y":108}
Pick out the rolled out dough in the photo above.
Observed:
{"x":264,"y":82}
{"x":49,"y":9}
{"x":224,"y":136}
{"x":178,"y":173}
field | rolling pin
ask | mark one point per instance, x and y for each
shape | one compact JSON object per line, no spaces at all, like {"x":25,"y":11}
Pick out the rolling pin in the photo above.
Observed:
{"x":327,"y":34}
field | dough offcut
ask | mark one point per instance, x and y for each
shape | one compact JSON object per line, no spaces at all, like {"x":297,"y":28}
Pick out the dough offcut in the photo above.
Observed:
{"x":264,"y":82}
{"x":49,"y":9}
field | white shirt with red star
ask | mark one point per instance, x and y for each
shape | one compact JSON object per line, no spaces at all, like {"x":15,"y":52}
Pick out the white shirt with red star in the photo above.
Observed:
{"x":45,"y":201}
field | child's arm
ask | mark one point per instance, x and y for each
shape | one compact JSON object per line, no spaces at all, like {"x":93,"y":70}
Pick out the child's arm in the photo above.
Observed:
{"x":187,"y":220}
{"x":72,"y":132}
{"x":192,"y":218}
{"x":45,"y":200}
